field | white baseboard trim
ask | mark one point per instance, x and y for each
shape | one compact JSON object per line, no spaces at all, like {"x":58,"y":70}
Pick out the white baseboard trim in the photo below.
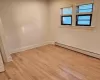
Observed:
{"x":92,"y":54}
{"x":30,"y":47}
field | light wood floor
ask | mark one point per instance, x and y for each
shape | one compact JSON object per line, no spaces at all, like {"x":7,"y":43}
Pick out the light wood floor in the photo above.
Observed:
{"x":51,"y":63}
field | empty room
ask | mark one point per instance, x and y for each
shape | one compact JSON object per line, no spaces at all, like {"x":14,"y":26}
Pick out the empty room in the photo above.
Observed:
{"x":49,"y":40}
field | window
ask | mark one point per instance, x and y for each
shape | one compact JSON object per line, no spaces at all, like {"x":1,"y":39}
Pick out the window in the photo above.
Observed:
{"x":84,"y":20}
{"x":66,"y":16}
{"x":67,"y":10}
{"x":85,"y":8}
{"x":66,"y":20}
{"x":84,"y":15}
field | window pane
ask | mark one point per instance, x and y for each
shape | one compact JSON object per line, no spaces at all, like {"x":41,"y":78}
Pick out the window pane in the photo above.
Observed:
{"x":83,"y":17}
{"x":85,"y":10}
{"x":84,"y":22}
{"x":67,"y":20}
{"x":67,"y":10}
{"x":87,"y":6}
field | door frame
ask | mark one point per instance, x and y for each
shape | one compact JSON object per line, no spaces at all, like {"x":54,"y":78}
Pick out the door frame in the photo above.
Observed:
{"x":4,"y":50}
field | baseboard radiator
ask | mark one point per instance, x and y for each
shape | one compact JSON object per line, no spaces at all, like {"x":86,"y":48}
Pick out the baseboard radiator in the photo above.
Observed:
{"x":92,"y":54}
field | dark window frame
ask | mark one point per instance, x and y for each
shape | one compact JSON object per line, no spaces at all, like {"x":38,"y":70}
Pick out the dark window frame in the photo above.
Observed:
{"x":84,"y":15}
{"x":66,"y":16}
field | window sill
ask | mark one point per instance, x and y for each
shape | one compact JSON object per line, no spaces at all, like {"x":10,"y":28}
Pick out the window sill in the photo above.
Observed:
{"x":77,"y":27}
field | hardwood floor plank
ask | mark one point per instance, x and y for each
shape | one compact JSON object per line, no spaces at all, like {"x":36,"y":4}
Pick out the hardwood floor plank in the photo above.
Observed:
{"x":51,"y":63}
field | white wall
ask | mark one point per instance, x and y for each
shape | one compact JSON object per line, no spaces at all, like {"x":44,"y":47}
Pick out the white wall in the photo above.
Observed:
{"x":80,"y":38}
{"x":31,"y":23}
{"x":25,"y":23}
